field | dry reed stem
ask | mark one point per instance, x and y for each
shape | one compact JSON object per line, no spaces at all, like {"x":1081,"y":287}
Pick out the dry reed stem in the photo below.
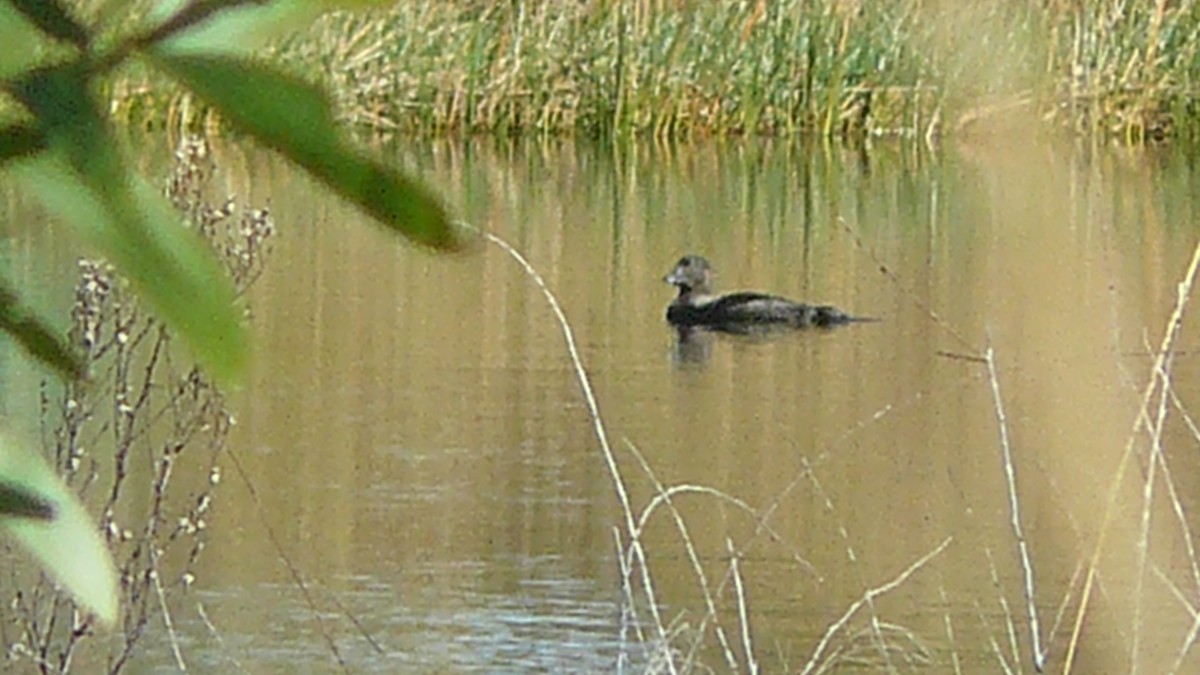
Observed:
{"x":868,"y":598}
{"x":1189,"y":640}
{"x":629,"y":608}
{"x":1143,"y":543}
{"x":212,"y":630}
{"x":293,"y":570}
{"x":743,"y":617}
{"x":1176,"y":503}
{"x":1184,"y":292}
{"x":894,"y":279}
{"x":949,"y":622}
{"x":1014,"y":509}
{"x":853,"y":558}
{"x":1176,"y":506}
{"x":1177,"y":592}
{"x":663,"y":495}
{"x":991,"y":636}
{"x":1061,"y":612}
{"x":172,"y":637}
{"x":1010,"y":624}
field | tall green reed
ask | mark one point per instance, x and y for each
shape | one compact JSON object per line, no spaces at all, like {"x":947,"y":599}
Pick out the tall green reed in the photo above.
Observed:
{"x":834,"y":68}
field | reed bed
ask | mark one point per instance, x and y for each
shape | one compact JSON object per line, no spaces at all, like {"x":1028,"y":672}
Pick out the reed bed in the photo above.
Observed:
{"x":834,"y":68}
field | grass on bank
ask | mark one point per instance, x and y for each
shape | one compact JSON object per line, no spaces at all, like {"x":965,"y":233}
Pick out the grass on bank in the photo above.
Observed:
{"x":834,"y":68}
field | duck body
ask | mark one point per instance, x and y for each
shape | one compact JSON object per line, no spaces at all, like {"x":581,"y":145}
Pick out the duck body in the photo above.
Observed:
{"x":696,"y":306}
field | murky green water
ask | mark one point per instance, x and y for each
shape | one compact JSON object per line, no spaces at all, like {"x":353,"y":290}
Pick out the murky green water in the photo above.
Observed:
{"x":420,"y":453}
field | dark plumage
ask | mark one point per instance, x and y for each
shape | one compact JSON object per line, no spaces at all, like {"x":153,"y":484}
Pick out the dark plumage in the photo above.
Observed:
{"x":739,"y":312}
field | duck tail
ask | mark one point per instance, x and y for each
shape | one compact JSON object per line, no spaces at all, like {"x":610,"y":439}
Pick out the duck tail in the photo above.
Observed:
{"x":827,"y":315}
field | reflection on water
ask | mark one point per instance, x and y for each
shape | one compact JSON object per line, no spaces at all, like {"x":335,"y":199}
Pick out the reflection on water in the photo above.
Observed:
{"x":422,"y":457}
{"x":543,"y":624}
{"x":692,"y":345}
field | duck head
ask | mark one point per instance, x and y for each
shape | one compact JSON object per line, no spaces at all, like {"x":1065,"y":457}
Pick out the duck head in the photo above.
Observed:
{"x":692,"y":274}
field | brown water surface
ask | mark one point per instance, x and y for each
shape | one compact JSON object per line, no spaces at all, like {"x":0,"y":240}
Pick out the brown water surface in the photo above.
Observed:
{"x":421,"y":454}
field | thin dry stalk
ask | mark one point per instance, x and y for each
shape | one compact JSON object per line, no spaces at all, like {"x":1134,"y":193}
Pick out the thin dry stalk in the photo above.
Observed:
{"x":1189,"y":640}
{"x":629,"y":617}
{"x":894,"y":279}
{"x":664,"y":496}
{"x":212,"y":630}
{"x":880,"y":643}
{"x":868,"y":598}
{"x":1010,"y":624}
{"x":297,"y":577}
{"x":176,"y":652}
{"x":853,"y":655}
{"x":949,"y":622}
{"x":1185,"y":529}
{"x":1170,"y":334}
{"x":1014,"y":509}
{"x":1143,"y":543}
{"x":1061,"y":613}
{"x":991,"y":636}
{"x":743,"y":615}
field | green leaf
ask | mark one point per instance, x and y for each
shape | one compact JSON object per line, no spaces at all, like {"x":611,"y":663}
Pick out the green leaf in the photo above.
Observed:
{"x":23,"y":46}
{"x":52,"y":18}
{"x":18,"y":500}
{"x":65,"y":111}
{"x":57,"y":530}
{"x":20,"y":140}
{"x":294,"y":118}
{"x":246,"y":26}
{"x":41,"y":342}
{"x":84,"y":180}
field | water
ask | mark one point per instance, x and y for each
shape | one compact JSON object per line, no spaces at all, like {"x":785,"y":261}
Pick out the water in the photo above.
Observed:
{"x":416,"y":446}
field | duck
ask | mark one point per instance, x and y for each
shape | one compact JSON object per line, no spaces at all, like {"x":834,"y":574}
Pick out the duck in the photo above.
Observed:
{"x":743,"y":312}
